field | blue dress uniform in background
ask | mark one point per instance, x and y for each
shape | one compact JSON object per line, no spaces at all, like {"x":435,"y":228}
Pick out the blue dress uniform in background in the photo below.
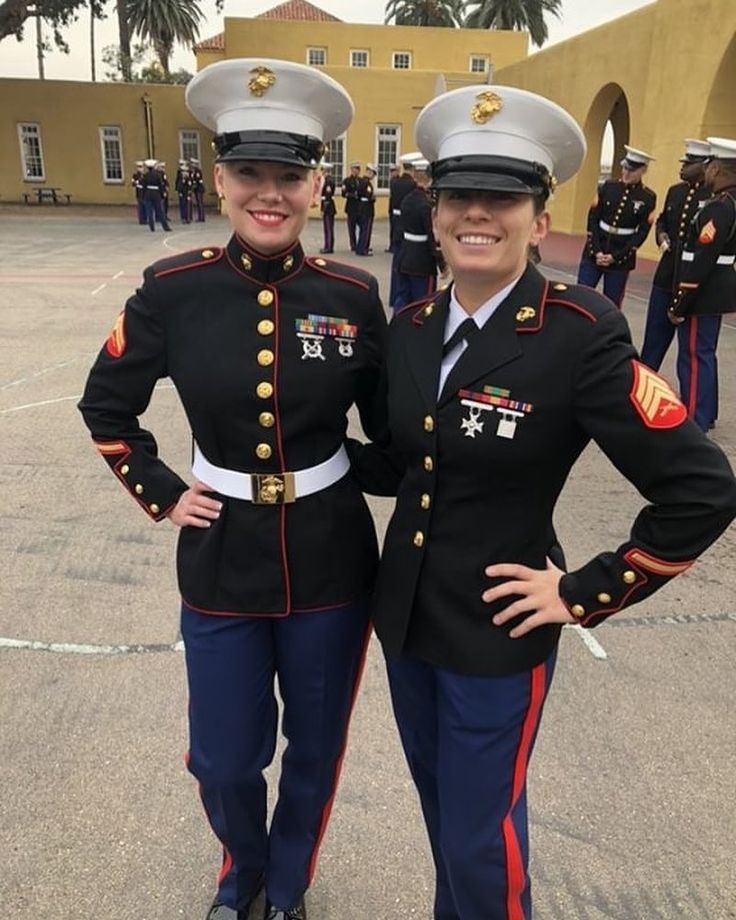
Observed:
{"x":349,"y":191}
{"x":400,"y":188}
{"x":618,"y":223}
{"x":184,"y":186}
{"x":328,"y":209}
{"x":488,"y":414}
{"x":681,"y":204}
{"x":136,"y":180}
{"x":268,"y":354}
{"x":366,"y":211}
{"x":198,"y":189}
{"x":706,"y":287}
{"x":153,"y":196}
{"x":417,"y":260}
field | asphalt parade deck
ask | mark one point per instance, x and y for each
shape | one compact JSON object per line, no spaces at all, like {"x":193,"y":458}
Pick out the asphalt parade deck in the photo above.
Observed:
{"x":633,"y":811}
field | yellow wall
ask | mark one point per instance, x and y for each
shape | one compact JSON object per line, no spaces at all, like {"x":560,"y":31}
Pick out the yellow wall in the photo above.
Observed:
{"x":433,"y":49}
{"x":663,"y":73}
{"x":70,"y":114}
{"x":672,"y":68}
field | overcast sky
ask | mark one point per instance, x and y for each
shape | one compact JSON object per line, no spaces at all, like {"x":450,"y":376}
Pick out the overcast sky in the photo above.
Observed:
{"x":18,"y":59}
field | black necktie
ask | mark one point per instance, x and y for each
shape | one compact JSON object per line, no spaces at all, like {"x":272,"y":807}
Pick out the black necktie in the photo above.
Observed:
{"x":464,"y":333}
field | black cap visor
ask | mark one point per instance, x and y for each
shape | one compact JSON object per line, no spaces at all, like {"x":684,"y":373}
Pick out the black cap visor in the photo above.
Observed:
{"x":269,"y":147}
{"x":504,"y":175}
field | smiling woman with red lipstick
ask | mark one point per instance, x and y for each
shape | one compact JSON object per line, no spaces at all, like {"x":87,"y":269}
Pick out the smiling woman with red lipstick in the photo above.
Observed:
{"x":268,"y":349}
{"x":495,"y":386}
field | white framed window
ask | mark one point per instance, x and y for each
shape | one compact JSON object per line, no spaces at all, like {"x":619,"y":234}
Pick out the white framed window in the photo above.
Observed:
{"x":388,"y":145}
{"x":335,"y":154}
{"x":31,"y":152}
{"x":479,"y":63}
{"x":111,"y":151}
{"x":189,"y":144}
{"x":359,"y":57}
{"x":401,"y":60}
{"x":317,"y":57}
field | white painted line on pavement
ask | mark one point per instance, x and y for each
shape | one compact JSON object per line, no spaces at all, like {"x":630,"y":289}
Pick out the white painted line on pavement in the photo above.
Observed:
{"x":98,"y":289}
{"x":45,"y":370}
{"x":593,"y":645}
{"x":50,"y":402}
{"x":119,"y":275}
{"x":73,"y":648}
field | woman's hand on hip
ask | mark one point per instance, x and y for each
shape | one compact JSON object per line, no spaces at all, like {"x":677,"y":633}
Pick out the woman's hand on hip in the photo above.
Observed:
{"x":538,"y":596}
{"x":194,"y":508}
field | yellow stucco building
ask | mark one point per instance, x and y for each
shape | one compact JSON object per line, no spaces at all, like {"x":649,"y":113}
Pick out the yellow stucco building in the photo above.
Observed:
{"x":84,"y":138}
{"x":661,"y":74}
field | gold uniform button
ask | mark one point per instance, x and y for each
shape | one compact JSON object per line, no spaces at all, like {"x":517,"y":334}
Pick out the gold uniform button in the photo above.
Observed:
{"x":263,"y":451}
{"x":559,"y":287}
{"x":320,"y":262}
{"x":604,"y":598}
{"x":419,"y":538}
{"x":265,"y":298}
{"x":428,"y":423}
{"x":428,"y":464}
{"x":425,"y":502}
{"x":265,"y":357}
{"x":266,"y":420}
{"x":428,"y":310}
{"x":264,"y":390}
{"x":629,"y":577}
{"x":154,"y":509}
{"x":139,"y":489}
{"x":577,"y":610}
{"x":125,"y":469}
{"x":265,"y":327}
{"x":207,"y":253}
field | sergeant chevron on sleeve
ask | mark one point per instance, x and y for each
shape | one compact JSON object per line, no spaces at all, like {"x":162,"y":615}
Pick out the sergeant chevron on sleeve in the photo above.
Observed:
{"x":494,"y":388}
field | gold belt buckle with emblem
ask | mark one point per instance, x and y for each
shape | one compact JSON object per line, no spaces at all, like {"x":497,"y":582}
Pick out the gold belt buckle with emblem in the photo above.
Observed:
{"x":273,"y":488}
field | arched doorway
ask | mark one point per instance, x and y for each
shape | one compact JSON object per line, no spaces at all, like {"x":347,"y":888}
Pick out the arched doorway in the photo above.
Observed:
{"x":719,"y":116}
{"x":608,"y":115}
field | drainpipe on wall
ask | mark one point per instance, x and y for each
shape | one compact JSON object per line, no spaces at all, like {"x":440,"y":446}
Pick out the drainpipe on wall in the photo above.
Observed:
{"x":148,"y":120}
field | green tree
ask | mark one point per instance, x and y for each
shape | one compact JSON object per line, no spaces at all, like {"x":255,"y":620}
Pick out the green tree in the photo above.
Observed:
{"x":519,"y":15}
{"x":163,"y":23}
{"x":55,"y":13}
{"x":142,"y":68}
{"x":424,"y":12}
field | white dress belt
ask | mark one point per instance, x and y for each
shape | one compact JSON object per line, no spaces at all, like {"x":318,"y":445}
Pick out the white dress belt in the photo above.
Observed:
{"x":416,"y":237}
{"x":271,"y":488}
{"x":721,"y":260}
{"x":616,"y":231}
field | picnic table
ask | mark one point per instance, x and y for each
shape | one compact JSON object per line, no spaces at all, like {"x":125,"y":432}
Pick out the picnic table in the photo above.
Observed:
{"x":50,"y":193}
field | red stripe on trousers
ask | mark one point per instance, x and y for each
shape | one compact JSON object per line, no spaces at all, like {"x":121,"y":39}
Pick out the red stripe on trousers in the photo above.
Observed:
{"x":692,"y":350}
{"x":515,"y":872}
{"x":327,"y":810}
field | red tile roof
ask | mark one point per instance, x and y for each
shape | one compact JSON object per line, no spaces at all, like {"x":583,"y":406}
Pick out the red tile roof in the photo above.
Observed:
{"x":216,"y":43}
{"x":300,"y":10}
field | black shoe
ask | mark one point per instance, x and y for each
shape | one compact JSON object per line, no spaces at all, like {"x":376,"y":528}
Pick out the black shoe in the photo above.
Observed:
{"x":326,"y":250}
{"x":299,"y":912}
{"x":220,"y":912}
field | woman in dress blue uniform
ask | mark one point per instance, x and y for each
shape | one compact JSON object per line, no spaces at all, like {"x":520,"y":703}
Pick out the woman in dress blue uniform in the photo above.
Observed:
{"x":268,"y":349}
{"x":495,"y":386}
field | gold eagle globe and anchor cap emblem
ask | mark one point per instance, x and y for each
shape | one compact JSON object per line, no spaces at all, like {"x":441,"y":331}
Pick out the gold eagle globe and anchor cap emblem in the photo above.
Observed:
{"x":262,"y":79}
{"x":487,"y":105}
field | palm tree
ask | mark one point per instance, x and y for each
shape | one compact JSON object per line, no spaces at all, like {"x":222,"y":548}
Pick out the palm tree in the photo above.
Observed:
{"x":163,"y":23}
{"x":521,"y":15}
{"x":126,"y":62}
{"x":424,"y":12}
